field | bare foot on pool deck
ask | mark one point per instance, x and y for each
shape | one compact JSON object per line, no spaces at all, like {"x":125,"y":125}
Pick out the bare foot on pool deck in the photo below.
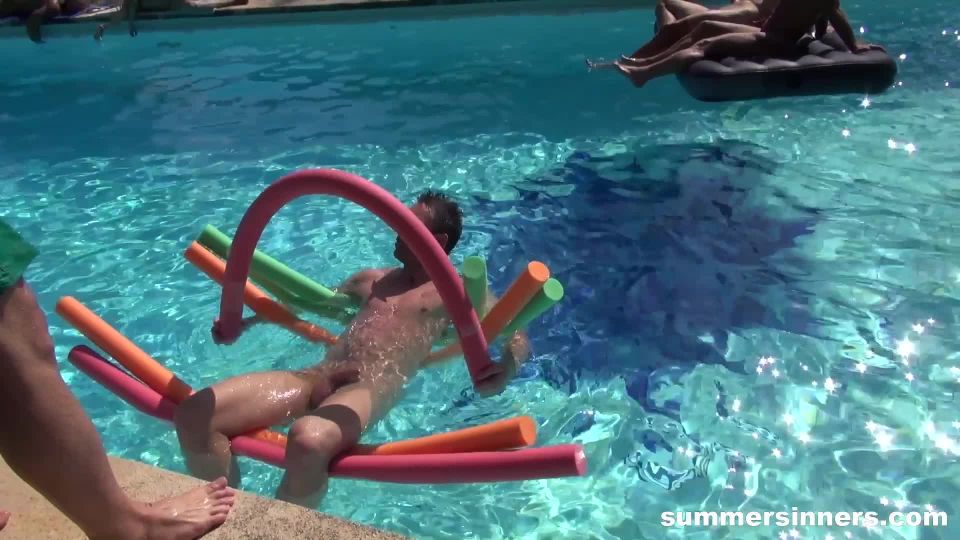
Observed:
{"x":186,"y":516}
{"x":4,"y":518}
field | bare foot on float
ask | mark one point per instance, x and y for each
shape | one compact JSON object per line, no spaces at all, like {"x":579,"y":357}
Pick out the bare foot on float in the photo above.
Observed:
{"x":187,"y":516}
{"x":637,"y":75}
{"x":4,"y":518}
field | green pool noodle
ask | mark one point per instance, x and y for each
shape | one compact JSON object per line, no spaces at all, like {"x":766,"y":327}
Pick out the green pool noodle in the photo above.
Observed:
{"x":474,"y":271}
{"x":335,"y":308}
{"x":268,"y":271}
{"x":549,"y":295}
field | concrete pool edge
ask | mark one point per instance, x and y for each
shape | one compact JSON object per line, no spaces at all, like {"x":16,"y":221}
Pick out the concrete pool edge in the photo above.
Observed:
{"x":33,"y":518}
{"x":313,"y":12}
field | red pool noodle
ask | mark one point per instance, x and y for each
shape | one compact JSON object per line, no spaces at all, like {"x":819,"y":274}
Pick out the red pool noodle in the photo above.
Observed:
{"x":385,"y":206}
{"x":470,"y":467}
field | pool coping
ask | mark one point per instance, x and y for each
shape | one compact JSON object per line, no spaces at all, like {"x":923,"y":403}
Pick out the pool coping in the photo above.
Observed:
{"x":34,"y":518}
{"x":310,"y":12}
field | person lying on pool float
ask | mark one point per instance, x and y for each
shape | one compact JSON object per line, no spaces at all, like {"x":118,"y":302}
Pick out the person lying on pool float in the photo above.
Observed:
{"x":36,"y":12}
{"x":363,"y":375}
{"x":776,"y":36}
{"x":677,"y":18}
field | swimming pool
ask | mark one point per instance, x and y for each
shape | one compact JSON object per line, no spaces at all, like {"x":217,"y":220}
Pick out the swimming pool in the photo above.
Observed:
{"x":694,"y":240}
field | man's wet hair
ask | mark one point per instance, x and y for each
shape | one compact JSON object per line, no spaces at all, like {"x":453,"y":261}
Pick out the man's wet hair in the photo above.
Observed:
{"x":446,"y":217}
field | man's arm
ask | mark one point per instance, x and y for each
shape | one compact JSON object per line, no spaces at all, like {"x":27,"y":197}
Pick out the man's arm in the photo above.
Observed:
{"x":356,"y":287}
{"x":517,"y":346}
{"x":843,"y":29}
{"x":515,"y":349}
{"x":821,"y":27}
{"x":352,"y":287}
{"x":45,"y":10}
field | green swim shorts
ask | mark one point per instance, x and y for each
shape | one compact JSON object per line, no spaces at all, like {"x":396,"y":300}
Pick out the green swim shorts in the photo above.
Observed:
{"x":15,"y":256}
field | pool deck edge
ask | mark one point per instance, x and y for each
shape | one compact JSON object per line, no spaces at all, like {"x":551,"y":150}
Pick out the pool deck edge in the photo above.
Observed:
{"x":257,"y":13}
{"x":33,"y":518}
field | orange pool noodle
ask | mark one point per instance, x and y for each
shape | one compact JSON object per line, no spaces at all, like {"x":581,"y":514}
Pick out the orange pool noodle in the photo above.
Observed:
{"x":140,"y":364}
{"x":516,"y":432}
{"x":271,"y":437}
{"x":500,"y":435}
{"x":148,"y":370}
{"x":523,"y":289}
{"x":257,"y":300}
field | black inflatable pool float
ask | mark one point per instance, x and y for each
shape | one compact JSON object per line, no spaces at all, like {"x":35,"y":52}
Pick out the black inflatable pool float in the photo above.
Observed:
{"x":820,"y":67}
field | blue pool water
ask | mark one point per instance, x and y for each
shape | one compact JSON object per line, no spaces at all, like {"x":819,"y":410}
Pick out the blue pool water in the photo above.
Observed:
{"x":696,"y":241}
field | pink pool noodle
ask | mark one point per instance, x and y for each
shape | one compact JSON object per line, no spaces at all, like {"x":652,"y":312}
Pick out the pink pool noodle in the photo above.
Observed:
{"x":385,"y":206}
{"x":470,"y":467}
{"x":502,"y":466}
{"x":134,"y":392}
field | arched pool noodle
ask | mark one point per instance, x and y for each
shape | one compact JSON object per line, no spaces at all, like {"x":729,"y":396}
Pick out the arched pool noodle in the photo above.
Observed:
{"x":382,"y":204}
{"x":485,"y":466}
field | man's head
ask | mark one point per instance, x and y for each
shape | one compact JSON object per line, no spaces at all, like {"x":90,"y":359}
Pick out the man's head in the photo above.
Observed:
{"x":442,"y":217}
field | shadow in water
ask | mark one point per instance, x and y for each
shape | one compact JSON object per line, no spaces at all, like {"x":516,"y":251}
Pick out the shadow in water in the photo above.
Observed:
{"x":664,"y":253}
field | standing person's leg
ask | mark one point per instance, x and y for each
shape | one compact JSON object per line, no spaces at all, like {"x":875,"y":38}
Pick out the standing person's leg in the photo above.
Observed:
{"x":47,"y":439}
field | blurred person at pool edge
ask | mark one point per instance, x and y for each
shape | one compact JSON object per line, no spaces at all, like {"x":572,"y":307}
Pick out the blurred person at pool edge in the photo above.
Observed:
{"x":36,"y":12}
{"x":359,"y":381}
{"x":777,"y":35}
{"x":49,"y":442}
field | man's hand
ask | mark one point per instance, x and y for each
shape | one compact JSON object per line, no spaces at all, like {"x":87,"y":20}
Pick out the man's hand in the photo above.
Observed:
{"x":495,"y":378}
{"x":217,"y":331}
{"x":867,"y":47}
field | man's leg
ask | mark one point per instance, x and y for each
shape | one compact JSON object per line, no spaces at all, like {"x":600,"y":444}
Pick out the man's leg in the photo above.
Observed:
{"x":667,"y":36}
{"x":668,"y":33}
{"x":208,"y":419}
{"x":669,"y":11}
{"x":47,"y":439}
{"x":704,"y":30}
{"x":738,"y":13}
{"x":740,"y":44}
{"x":334,"y":427}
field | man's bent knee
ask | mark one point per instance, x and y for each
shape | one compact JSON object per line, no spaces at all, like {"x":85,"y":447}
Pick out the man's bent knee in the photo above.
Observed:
{"x":194,"y":416}
{"x":314,"y":436}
